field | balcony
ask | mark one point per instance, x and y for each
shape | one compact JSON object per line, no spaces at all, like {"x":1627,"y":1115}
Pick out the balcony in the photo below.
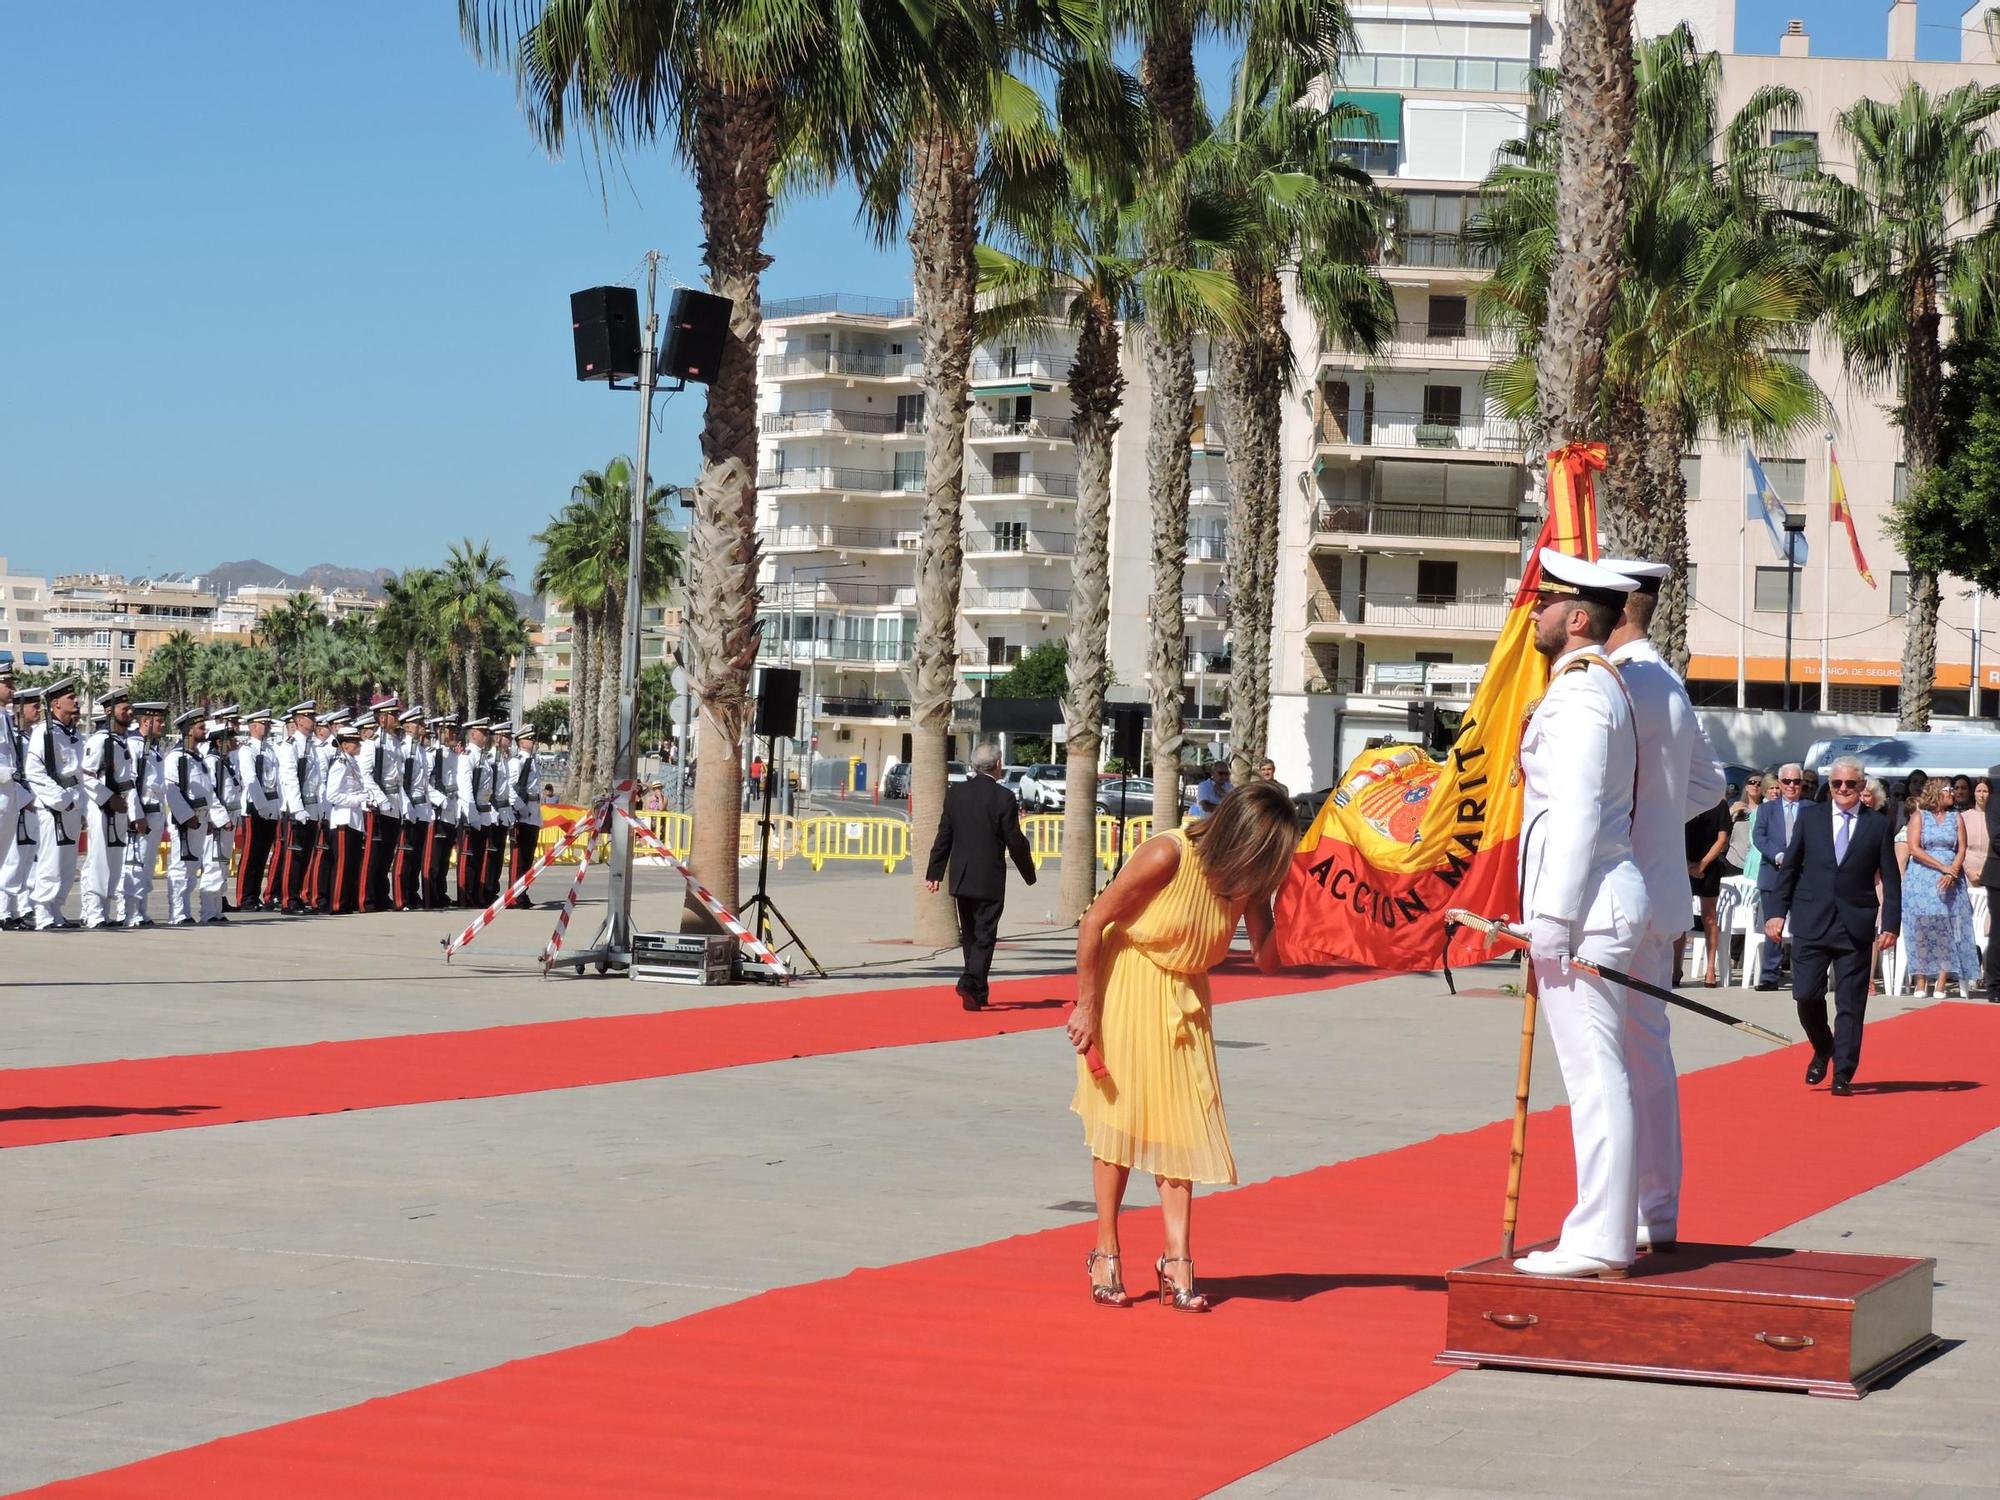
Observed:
{"x":1471,"y":529}
{"x":836,"y":539}
{"x":838,"y":595}
{"x":828,"y":478}
{"x":1203,"y":607}
{"x":1423,"y":434}
{"x":1058,"y":486}
{"x":1014,"y":601}
{"x":840,"y":362}
{"x":1018,"y":541}
{"x":1423,"y":679}
{"x":1207,"y":549}
{"x":980,"y":662}
{"x":1439,"y":252}
{"x":1054,"y":429}
{"x":858,"y":423}
{"x":1208,"y":663}
{"x":836,"y":653}
{"x":865,"y":710}
{"x":1045,"y":370}
{"x":1210,"y":491}
{"x":1463,"y":75}
{"x":1426,"y":344}
{"x":1419,"y":614}
{"x":839,"y":304}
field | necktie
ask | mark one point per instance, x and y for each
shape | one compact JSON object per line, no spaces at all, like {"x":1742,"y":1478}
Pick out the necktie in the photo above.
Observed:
{"x":1840,"y":837}
{"x":1791,"y":812}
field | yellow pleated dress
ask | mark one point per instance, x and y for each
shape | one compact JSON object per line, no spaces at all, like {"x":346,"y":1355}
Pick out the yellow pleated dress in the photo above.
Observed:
{"x":1159,"y":1109}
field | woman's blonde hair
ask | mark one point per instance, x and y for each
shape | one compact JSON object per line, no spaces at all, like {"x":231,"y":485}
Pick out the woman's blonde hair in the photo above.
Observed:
{"x":1247,"y":843}
{"x":1932,"y":794}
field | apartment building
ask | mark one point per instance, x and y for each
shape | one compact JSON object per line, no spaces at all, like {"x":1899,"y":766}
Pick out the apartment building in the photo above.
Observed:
{"x":240,"y":612}
{"x":104,"y":623}
{"x":24,"y":625}
{"x":551,"y":646}
{"x":1407,"y":493}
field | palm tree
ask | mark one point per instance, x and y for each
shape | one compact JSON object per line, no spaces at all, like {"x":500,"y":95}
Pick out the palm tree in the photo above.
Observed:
{"x":171,"y":665}
{"x":406,"y":627}
{"x":1910,"y":243}
{"x":1718,"y":282}
{"x":737,"y":85}
{"x":476,"y":607}
{"x":1294,"y":208}
{"x":1593,"y":164}
{"x":284,"y":631}
{"x":1307,"y":33}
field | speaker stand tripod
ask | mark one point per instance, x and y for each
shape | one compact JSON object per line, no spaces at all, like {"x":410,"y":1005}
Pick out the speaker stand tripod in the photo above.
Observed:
{"x":762,"y":904}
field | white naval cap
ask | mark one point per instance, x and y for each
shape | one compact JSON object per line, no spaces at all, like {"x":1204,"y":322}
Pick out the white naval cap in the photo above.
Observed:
{"x":1646,"y":576}
{"x":1563,"y":574}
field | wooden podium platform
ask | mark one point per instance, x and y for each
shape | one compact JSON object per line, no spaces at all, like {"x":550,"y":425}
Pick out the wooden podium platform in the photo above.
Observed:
{"x":1806,"y":1320}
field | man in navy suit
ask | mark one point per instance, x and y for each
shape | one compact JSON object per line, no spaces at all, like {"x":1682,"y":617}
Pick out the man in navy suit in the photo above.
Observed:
{"x":1771,"y":835}
{"x":1839,"y":850}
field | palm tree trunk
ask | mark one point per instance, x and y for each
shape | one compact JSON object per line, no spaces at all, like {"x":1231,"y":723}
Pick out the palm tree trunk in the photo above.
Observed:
{"x":1096,"y":389}
{"x":582,"y":691}
{"x":412,"y":675}
{"x":1625,"y":494}
{"x":943,"y":230}
{"x":1250,"y":369}
{"x":734,"y":146}
{"x":1166,"y":69}
{"x":1922,"y":383}
{"x":472,"y":657}
{"x":1667,"y":536}
{"x":1592,"y":198}
{"x":608,"y":689}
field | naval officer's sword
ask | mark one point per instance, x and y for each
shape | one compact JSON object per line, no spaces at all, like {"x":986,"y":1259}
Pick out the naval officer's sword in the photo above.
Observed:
{"x":1514,"y":938}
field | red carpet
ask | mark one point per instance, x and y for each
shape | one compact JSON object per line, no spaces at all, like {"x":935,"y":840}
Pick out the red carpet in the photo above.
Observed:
{"x":131,"y":1096}
{"x":986,"y":1371}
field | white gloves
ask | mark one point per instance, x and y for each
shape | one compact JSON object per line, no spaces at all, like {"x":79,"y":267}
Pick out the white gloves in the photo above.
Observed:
{"x":1549,"y":942}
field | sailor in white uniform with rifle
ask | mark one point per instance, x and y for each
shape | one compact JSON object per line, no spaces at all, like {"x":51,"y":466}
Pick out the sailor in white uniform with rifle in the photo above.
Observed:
{"x":1679,"y":779}
{"x":55,"y":766}
{"x":149,"y":812}
{"x":1582,"y":895}
{"x":110,"y":785}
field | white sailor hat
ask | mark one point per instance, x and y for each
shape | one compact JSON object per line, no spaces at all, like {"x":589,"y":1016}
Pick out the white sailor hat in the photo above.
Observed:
{"x":226,"y":711}
{"x":30,"y":695}
{"x":345,"y":732}
{"x":526,"y":732}
{"x":263,"y":716}
{"x":116,"y":695}
{"x":150,"y":706}
{"x":477,"y":724}
{"x":1573,"y":577}
{"x":1646,"y":576}
{"x":190,"y":718}
{"x":388,"y":703}
{"x":62,"y":687}
{"x":302,"y":708}
{"x":410,"y":713}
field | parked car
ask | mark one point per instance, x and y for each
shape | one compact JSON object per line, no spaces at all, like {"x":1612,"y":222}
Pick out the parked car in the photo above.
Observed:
{"x":956,"y":771}
{"x":1042,"y":788}
{"x":896,"y":784}
{"x":1127,"y":797}
{"x":1010,"y":778}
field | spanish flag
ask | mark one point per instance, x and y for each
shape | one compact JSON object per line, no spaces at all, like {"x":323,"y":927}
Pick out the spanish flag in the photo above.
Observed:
{"x":1836,"y":490}
{"x":1404,"y":837}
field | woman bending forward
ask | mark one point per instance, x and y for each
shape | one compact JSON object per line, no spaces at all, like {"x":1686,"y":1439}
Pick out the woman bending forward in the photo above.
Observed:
{"x":1142,"y":959}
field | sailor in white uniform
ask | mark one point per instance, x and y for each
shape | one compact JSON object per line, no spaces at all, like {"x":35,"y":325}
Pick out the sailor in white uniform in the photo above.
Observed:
{"x":188,"y":793}
{"x":55,"y":766}
{"x":149,"y":813}
{"x":300,"y":783}
{"x":1583,"y":895}
{"x":110,"y":784}
{"x":1679,"y":779}
{"x":17,"y":833}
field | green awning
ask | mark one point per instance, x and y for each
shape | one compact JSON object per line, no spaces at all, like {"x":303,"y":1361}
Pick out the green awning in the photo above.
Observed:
{"x":1384,"y":109}
{"x":1014,"y":388}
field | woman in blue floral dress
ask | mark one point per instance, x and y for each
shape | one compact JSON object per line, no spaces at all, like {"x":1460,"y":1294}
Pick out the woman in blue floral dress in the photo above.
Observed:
{"x":1937,"y":906}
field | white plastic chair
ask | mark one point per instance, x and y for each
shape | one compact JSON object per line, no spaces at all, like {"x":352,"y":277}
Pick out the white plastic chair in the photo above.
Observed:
{"x":1736,"y":916}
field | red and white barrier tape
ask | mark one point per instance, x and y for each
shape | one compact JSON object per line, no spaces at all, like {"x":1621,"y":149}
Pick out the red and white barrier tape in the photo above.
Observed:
{"x":583,"y":827}
{"x":568,"y":907}
{"x":760,"y":951}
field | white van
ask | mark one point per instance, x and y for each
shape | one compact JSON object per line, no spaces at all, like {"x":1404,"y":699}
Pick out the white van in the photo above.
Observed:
{"x":1892,"y":757}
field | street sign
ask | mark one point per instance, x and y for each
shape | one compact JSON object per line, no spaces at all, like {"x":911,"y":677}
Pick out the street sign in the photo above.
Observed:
{"x":680,"y":682}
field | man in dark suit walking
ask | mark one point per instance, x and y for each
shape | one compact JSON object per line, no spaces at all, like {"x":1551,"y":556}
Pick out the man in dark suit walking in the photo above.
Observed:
{"x":980,"y":827}
{"x":1771,"y":834}
{"x":1839,"y":850}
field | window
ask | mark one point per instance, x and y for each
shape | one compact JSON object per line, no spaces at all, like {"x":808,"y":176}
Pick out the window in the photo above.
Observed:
{"x":1801,"y":159}
{"x":1437,"y":582}
{"x":1902,"y":482}
{"x":1689,"y":570}
{"x":1443,"y":405}
{"x":127,"y":666}
{"x":909,"y":473}
{"x":1899,"y":593}
{"x":910,"y":413}
{"x":1770,"y":598}
{"x":1376,"y":158}
{"x":129,"y":638}
{"x":1006,"y":473}
{"x":23,"y":593}
{"x":1447,"y":317}
{"x":1010,"y":355}
{"x":1010,"y":536}
{"x":1434,"y":658}
{"x":1788,"y":478}
{"x":1691,"y":479}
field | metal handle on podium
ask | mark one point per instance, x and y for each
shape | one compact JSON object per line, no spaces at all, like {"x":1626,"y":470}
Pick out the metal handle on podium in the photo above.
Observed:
{"x":1786,"y":1340}
{"x":1519,"y":1320}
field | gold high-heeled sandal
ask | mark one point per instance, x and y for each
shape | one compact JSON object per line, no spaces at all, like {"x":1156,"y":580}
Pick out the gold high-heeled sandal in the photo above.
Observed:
{"x":1181,"y":1299}
{"x":1111,"y":1293}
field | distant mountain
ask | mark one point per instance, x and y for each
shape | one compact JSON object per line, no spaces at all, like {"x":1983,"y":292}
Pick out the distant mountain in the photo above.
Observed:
{"x":227,"y":577}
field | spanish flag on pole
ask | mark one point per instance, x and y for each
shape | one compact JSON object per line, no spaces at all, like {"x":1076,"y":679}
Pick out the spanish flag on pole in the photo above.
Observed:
{"x":1404,"y":837}
{"x":1836,"y":490}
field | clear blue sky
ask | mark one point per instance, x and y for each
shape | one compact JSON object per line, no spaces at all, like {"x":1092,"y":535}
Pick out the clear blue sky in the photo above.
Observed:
{"x":291,"y":282}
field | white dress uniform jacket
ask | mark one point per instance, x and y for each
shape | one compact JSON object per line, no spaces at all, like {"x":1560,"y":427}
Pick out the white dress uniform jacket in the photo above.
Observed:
{"x":108,"y":783}
{"x":1584,"y":895}
{"x":17,"y":822}
{"x":526,"y":788}
{"x":55,"y":761}
{"x":257,"y":770}
{"x":347,"y":788}
{"x":323,"y":751}
{"x":381,"y":775}
{"x":189,"y":796}
{"x":417,"y":781}
{"x":475,"y":788}
{"x":298,"y":778}
{"x":444,"y":783}
{"x":142,"y":848}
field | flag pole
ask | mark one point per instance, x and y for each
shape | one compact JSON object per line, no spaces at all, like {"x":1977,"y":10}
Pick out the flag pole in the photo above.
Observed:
{"x":1742,"y":577}
{"x":1826,"y":579}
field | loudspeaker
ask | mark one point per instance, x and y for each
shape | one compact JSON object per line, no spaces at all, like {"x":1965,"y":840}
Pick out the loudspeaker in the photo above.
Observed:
{"x":778,"y":702}
{"x":697,"y":326}
{"x":1127,"y":733}
{"x":605,"y":324}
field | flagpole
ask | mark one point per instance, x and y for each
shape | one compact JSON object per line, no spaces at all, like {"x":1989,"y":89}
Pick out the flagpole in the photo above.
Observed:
{"x":1742,"y":575}
{"x":1826,"y":579}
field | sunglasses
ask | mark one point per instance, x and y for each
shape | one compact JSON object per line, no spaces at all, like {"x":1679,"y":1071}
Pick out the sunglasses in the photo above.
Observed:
{"x":1838,"y":784}
{"x":1791,"y":781}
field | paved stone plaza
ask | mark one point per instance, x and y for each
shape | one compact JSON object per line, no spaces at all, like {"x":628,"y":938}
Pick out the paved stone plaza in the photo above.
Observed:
{"x":159,"y":1290}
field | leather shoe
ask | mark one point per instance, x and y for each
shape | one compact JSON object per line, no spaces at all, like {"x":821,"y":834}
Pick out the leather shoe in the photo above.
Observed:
{"x":1566,"y":1263}
{"x":1816,"y":1069}
{"x":1842,"y":1085}
{"x":1762,"y":985}
{"x":1656,"y":1242}
{"x":968,"y":999}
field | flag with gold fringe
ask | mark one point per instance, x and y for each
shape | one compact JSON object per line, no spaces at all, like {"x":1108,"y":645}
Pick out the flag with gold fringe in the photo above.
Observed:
{"x":1844,"y":513}
{"x":1405,"y":836}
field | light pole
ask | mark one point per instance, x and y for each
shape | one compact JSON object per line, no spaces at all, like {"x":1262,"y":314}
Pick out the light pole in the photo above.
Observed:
{"x":1795,"y":541}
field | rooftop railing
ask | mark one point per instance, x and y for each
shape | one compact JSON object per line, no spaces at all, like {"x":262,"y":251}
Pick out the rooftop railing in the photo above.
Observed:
{"x":847,"y":304}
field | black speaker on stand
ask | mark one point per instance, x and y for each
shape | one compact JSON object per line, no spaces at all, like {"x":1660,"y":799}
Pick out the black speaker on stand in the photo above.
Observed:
{"x":604,"y":322}
{"x":777,"y":718}
{"x":697,"y":329}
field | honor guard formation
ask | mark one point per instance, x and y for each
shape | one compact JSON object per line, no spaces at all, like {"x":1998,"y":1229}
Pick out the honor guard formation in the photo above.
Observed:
{"x":299,"y":813}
